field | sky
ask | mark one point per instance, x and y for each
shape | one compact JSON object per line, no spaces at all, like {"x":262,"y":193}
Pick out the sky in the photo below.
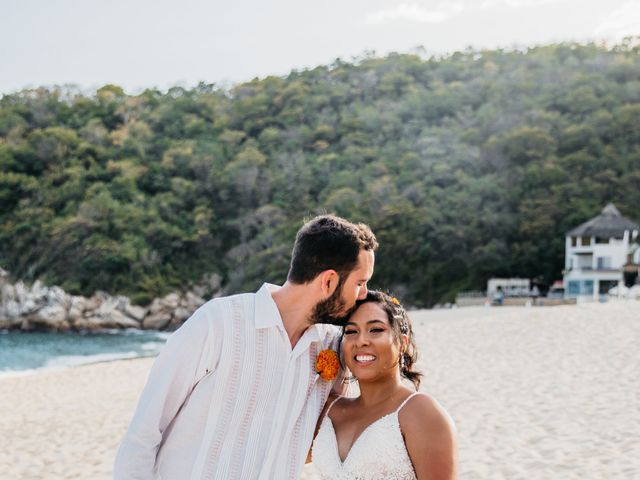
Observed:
{"x":140,"y":44}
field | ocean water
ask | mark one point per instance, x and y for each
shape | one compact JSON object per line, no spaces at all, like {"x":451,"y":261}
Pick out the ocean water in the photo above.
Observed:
{"x":22,"y":353}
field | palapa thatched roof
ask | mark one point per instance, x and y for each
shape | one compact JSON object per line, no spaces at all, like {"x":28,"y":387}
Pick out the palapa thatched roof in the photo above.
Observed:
{"x":609,"y":224}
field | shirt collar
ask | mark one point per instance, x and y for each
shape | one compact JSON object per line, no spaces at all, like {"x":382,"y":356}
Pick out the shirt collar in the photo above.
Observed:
{"x":267,"y":315}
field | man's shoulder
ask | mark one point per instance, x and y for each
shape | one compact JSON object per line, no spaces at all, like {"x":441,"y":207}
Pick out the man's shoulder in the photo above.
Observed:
{"x":222,"y":306}
{"x":330,"y":334}
{"x":213,"y":317}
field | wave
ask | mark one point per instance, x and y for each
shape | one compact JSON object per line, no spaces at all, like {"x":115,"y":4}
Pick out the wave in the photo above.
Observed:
{"x":75,"y":360}
{"x":151,"y":346}
{"x":67,"y":361}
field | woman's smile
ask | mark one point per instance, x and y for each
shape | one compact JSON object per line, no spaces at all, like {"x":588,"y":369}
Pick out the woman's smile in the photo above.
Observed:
{"x":364,"y":359}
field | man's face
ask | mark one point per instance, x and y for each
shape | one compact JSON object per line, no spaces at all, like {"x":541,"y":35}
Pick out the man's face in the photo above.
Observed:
{"x":343,"y":300}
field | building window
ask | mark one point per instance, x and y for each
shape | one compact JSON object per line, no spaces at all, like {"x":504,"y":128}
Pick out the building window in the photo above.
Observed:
{"x":604,"y":263}
{"x":606,"y":285}
{"x":587,"y":287}
{"x":602,"y":240}
{"x":573,"y":287}
{"x":574,"y":241}
{"x":586,"y":241}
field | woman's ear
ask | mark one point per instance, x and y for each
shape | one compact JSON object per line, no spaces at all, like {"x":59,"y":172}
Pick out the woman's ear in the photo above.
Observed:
{"x":329,"y":280}
{"x":404,"y":342}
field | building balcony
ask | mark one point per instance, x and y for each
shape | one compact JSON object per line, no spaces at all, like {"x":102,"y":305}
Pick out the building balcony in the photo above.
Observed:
{"x":590,"y":269}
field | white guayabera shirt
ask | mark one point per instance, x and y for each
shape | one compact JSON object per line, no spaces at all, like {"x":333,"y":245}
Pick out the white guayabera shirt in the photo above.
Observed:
{"x":228,"y":398}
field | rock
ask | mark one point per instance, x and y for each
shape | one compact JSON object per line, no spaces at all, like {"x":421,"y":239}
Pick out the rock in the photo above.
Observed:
{"x":180,"y":314}
{"x":57,"y":296}
{"x":135,"y":312}
{"x":12,"y":309}
{"x":156,"y":306}
{"x":52,"y":316}
{"x":156,"y":321}
{"x":122,"y":321}
{"x":39,"y":290}
{"x":121,"y":302}
{"x":96,"y":300}
{"x":77,"y":308}
{"x":45,"y":319}
{"x":8,"y":292}
{"x":43,"y":307}
{"x":28,"y":306}
{"x":171,"y":301}
{"x":103,"y":321}
{"x":88,"y":323}
{"x":107,"y":315}
{"x":107,"y":307}
{"x":192,"y":302}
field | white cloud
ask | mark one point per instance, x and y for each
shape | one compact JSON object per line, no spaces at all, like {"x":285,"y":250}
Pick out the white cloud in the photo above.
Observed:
{"x":414,"y":13}
{"x":516,"y":3}
{"x":444,"y":10}
{"x":622,"y":22}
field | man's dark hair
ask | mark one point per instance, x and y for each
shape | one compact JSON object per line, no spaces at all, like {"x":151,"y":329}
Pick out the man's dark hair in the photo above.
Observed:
{"x":328,"y":242}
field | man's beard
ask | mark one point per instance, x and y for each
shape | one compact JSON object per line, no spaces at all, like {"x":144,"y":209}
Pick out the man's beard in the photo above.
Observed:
{"x":331,"y":310}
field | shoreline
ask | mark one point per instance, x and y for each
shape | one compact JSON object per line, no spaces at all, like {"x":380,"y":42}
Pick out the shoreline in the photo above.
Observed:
{"x":6,"y":374}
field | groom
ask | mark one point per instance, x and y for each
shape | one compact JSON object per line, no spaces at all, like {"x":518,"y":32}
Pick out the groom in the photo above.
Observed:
{"x":234,"y":394}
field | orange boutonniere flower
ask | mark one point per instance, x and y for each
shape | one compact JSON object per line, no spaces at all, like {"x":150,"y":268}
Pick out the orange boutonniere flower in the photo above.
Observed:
{"x":327,"y":364}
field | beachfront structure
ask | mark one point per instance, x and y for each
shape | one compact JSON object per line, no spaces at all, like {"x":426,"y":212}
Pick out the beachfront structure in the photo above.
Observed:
{"x":510,"y":287}
{"x":596,"y":253}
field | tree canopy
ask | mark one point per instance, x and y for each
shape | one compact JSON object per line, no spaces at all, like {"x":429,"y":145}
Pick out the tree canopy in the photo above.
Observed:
{"x":466,"y":166}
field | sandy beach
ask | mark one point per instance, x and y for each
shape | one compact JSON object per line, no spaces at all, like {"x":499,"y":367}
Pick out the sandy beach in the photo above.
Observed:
{"x":536,"y":393}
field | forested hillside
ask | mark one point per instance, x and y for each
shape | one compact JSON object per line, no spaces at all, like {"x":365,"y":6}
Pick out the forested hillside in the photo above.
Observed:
{"x":467,"y":166}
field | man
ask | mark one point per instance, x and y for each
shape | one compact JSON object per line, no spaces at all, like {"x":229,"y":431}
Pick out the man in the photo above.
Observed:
{"x":234,"y":394}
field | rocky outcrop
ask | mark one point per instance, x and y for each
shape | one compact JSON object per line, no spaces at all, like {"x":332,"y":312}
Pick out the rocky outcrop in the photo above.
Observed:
{"x":39,"y":307}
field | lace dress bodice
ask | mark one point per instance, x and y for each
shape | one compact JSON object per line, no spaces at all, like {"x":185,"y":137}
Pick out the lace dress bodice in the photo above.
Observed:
{"x":378,"y":453}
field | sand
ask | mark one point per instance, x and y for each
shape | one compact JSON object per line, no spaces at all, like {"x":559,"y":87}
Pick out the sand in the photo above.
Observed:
{"x":536,"y":393}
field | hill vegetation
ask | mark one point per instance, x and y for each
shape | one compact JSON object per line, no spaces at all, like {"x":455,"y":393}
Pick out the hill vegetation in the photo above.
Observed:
{"x":466,"y":166}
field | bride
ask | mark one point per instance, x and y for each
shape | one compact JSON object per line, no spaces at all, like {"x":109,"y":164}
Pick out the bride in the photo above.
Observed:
{"x":390,"y":431}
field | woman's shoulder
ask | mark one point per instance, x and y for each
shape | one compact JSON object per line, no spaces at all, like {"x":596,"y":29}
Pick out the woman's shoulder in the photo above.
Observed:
{"x":423,"y":413}
{"x":429,"y":435}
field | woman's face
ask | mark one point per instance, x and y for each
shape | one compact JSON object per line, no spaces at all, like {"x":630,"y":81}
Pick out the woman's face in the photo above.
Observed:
{"x":369,"y":347}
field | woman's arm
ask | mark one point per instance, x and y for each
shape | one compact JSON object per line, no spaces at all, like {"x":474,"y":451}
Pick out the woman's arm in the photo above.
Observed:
{"x":429,"y":435}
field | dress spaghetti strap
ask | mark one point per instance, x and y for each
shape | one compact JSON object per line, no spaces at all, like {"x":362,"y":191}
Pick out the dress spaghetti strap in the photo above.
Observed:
{"x":331,"y":405}
{"x":405,"y":401}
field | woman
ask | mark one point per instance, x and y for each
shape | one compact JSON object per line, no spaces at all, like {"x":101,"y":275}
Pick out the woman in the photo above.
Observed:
{"x":390,"y":431}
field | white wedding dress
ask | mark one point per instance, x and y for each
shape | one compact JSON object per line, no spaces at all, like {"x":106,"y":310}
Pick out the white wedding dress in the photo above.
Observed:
{"x":378,"y":453}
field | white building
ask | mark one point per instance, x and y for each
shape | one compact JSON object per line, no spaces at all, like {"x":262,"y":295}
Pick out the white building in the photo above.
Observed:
{"x":511,"y":287}
{"x":596,"y":252}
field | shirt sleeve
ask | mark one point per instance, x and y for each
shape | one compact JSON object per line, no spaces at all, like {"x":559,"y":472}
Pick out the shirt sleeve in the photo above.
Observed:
{"x":184,"y":359}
